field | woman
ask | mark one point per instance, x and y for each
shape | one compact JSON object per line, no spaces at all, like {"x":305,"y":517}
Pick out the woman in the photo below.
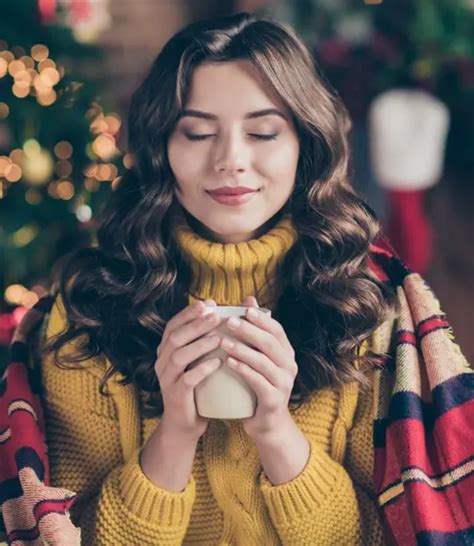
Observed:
{"x":233,"y":102}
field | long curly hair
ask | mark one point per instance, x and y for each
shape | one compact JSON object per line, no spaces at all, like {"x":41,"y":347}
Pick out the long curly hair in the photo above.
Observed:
{"x":119,"y":294}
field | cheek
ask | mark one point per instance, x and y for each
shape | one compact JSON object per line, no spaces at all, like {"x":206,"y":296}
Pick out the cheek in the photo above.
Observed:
{"x":280,"y":164}
{"x":185,"y":163}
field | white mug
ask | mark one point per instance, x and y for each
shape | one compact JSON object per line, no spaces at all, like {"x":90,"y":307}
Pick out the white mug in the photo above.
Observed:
{"x":224,"y":394}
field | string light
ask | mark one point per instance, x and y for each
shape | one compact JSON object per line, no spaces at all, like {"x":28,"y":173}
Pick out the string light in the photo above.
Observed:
{"x":63,"y":150}
{"x":33,"y":197}
{"x":24,"y":235}
{"x":3,"y":67}
{"x":84,"y":213}
{"x":63,"y":168}
{"x":4,"y":110}
{"x":128,"y":160}
{"x":39,"y":52}
{"x":104,"y":146}
{"x":65,"y":190}
{"x":14,"y":293}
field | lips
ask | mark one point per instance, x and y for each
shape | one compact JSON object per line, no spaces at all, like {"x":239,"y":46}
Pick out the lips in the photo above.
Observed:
{"x":232,"y":191}
{"x":232,"y":200}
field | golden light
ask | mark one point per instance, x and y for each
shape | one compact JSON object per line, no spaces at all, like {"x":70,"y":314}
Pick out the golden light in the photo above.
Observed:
{"x":33,"y":197}
{"x":3,"y":67}
{"x":63,"y":168}
{"x":29,"y":299}
{"x":128,"y":160}
{"x":65,"y":190}
{"x":28,"y":62}
{"x":14,"y":293}
{"x":63,"y":149}
{"x":50,"y":76}
{"x":37,"y":164}
{"x":47,"y":100}
{"x":39,"y":52}
{"x":17,"y":155}
{"x":41,"y":86}
{"x":13,"y":173}
{"x":23,"y":79}
{"x":4,"y":110}
{"x":91,"y":184}
{"x":52,"y":189}
{"x":15,"y":66}
{"x":104,"y":172}
{"x":47,"y":63}
{"x":104,"y":146}
{"x":99,"y":125}
{"x":24,"y":235}
{"x":5,"y":163}
{"x":116,"y":182}
{"x":7,"y":55}
{"x":90,"y":170}
{"x":113,"y":122}
{"x":19,"y":91}
{"x":31,"y":147}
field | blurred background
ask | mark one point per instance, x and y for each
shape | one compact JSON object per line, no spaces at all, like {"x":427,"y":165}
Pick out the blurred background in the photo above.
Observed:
{"x":404,"y":68}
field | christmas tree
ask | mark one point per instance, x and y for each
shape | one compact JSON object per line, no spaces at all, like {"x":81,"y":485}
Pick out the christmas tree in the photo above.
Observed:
{"x":58,"y":143}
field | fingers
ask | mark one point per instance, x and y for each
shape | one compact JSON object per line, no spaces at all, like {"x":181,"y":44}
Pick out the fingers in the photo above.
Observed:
{"x":189,"y":313}
{"x":201,"y":371}
{"x":194,"y":329}
{"x":181,"y":357}
{"x":250,"y":301}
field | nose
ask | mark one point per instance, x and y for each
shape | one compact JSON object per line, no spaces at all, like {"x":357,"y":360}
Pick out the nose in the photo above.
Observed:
{"x":231,"y":155}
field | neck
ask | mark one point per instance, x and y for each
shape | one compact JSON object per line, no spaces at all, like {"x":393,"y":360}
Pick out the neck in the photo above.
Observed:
{"x":228,"y":272}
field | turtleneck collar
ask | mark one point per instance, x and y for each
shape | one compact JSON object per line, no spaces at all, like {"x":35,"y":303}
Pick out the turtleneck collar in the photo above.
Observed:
{"x":228,"y":272}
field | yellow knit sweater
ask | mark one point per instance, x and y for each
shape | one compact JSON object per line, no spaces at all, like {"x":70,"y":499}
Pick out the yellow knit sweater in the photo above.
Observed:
{"x":94,"y":443}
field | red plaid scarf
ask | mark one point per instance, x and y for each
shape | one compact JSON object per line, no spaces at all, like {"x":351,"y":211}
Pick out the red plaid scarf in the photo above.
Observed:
{"x":424,"y":419}
{"x":423,"y":429}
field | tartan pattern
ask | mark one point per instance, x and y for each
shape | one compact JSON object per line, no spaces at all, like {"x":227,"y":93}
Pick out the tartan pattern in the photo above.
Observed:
{"x":424,"y":420}
{"x":32,"y":511}
{"x":423,"y":427}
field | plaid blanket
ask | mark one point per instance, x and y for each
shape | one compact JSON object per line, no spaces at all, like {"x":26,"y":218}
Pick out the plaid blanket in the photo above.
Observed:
{"x":424,"y":419}
{"x":423,"y":428}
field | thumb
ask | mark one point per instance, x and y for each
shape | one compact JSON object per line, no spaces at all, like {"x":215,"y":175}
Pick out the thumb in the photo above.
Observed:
{"x":208,"y":301}
{"x":250,"y":301}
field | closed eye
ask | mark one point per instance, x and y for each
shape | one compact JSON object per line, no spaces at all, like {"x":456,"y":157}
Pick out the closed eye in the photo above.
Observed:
{"x":190,"y":136}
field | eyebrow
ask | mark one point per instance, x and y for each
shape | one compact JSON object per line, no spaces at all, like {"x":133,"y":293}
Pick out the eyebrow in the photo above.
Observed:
{"x":250,"y":115}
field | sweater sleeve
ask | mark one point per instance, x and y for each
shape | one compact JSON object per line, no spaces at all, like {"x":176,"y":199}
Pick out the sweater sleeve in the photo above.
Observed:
{"x":132,"y":510}
{"x":117,"y":503}
{"x":330,"y":502}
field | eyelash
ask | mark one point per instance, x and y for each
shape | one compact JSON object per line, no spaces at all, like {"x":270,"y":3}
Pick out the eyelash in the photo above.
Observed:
{"x":203,"y":137}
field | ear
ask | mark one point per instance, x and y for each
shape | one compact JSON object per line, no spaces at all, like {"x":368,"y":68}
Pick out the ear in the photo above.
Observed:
{"x":250,"y":301}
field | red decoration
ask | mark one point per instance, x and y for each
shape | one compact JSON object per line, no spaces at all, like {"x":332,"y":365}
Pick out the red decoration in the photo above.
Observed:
{"x":47,"y":9}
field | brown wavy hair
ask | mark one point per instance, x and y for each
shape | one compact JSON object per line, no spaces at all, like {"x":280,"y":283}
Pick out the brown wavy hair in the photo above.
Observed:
{"x":120,"y":294}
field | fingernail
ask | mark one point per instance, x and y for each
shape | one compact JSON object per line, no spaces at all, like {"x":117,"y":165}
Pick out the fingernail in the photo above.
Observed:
{"x":252,"y":313}
{"x":233,"y":322}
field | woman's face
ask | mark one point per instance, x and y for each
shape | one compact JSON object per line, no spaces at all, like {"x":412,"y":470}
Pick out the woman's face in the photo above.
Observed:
{"x":224,"y":110}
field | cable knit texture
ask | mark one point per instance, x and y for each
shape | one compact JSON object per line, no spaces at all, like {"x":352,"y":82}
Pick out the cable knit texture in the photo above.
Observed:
{"x":95,"y":441}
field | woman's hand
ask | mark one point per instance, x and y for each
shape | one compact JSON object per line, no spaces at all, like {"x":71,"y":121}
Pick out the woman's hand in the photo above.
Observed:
{"x":184,"y":341}
{"x":269,"y":369}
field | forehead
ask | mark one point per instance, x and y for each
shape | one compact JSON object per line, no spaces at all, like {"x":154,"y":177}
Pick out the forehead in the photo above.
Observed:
{"x":230,"y":88}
